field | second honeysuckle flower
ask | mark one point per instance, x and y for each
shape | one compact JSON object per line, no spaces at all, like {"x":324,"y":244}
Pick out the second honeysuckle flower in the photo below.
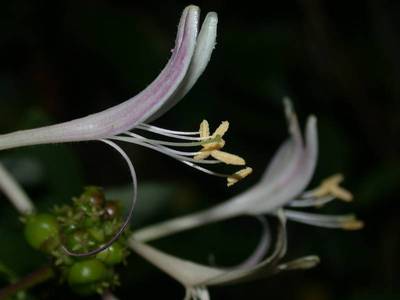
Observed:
{"x":282,"y":186}
{"x":190,"y":56}
{"x":280,"y":189}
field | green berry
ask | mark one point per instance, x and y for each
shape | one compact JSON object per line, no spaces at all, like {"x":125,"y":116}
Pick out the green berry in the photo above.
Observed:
{"x":41,"y":231}
{"x":112,"y":255}
{"x":85,"y":276}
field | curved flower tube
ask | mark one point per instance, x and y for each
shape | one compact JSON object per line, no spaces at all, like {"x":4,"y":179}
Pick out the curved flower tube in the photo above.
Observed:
{"x":122,"y":117}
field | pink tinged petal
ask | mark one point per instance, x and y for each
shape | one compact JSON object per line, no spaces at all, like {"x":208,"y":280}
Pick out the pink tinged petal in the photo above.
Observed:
{"x":204,"y":47}
{"x":126,"y":115}
{"x":192,"y":274}
{"x":276,"y":181}
{"x":17,"y":196}
{"x":186,"y":272}
{"x":265,"y":268}
{"x":287,"y":176}
{"x":281,"y":160}
{"x":285,"y":159}
{"x":294,"y":178}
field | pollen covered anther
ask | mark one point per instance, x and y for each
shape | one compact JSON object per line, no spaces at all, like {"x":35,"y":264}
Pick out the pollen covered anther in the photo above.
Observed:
{"x":353,"y":225}
{"x":212,"y":145}
{"x":228,"y":158}
{"x":239,"y":175}
{"x":330,"y":186}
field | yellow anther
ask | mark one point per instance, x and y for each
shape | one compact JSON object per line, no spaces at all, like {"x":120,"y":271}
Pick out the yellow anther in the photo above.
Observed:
{"x":202,"y":155}
{"x":228,"y":158}
{"x":222,"y":129}
{"x":220,"y":143}
{"x":239,"y":175}
{"x":212,"y":145}
{"x":330,"y":186}
{"x":204,"y":129}
{"x":216,"y":142}
{"x":353,"y":225}
{"x":218,"y":134}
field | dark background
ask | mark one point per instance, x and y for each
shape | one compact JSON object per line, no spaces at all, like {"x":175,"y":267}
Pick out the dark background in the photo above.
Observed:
{"x":338,"y":60}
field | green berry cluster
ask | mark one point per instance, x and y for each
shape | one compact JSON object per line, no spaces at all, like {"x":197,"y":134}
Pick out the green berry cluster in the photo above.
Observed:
{"x":85,"y":225}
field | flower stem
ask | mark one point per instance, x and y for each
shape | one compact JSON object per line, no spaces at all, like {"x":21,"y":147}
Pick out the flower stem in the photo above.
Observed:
{"x":39,"y":276}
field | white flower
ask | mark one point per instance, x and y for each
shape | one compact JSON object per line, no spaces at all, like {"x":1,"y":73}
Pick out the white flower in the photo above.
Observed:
{"x":14,"y":192}
{"x":189,"y":58}
{"x":281,"y":186}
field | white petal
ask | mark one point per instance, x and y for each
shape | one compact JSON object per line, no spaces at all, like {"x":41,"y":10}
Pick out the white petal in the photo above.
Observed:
{"x":197,"y":293}
{"x":289,"y":151}
{"x":264,"y":268}
{"x":14,"y":192}
{"x":184,"y":271}
{"x":294,"y":178}
{"x":321,"y":220}
{"x":204,"y":47}
{"x":126,"y":115}
{"x":191,"y":274}
{"x":289,"y":174}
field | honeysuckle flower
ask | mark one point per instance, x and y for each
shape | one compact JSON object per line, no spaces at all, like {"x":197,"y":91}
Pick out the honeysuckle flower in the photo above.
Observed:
{"x":281,"y":187}
{"x":190,"y":56}
{"x":280,"y":190}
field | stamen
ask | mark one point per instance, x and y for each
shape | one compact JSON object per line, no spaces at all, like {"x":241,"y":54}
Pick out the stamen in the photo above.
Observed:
{"x":164,"y":150}
{"x":316,"y":202}
{"x":207,"y":171}
{"x":348,"y":222}
{"x":353,"y":225}
{"x":165,"y":143}
{"x":330,"y":186}
{"x":213,"y":148}
{"x":222,"y":129}
{"x":239,"y":175}
{"x":172,"y":135}
{"x":211,"y":145}
{"x":204,"y":130}
{"x":160,"y":130}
